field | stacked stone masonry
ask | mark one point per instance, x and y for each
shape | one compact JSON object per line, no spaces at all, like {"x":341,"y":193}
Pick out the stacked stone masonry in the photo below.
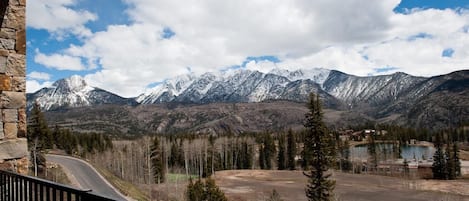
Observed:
{"x":13,"y":143}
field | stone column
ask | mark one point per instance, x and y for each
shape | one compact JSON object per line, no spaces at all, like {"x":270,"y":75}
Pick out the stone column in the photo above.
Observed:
{"x":13,"y":144}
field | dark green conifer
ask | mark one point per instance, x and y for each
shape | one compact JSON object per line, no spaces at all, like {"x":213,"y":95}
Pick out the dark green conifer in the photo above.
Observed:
{"x":157,"y":161}
{"x":204,"y":191}
{"x":457,"y":163}
{"x":439,"y":161}
{"x":39,"y":138}
{"x":281,"y":157}
{"x":320,"y":145}
{"x":291,"y":150}
{"x":212,"y":192}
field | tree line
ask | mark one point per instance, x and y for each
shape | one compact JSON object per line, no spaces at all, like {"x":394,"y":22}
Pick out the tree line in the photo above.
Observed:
{"x":41,"y":138}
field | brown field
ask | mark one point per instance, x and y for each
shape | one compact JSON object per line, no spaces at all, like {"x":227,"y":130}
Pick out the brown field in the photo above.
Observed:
{"x":250,"y":185}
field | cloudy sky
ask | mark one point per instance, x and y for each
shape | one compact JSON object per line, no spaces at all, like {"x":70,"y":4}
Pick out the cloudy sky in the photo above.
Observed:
{"x":125,"y":46}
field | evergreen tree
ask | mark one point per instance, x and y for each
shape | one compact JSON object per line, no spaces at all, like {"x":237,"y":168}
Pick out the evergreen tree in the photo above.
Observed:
{"x":212,"y":192}
{"x":247,"y":156}
{"x":269,"y":150}
{"x":176,"y":159}
{"x":266,"y":151}
{"x":439,"y":161}
{"x":281,"y":157}
{"x":450,"y":163}
{"x":204,"y":191}
{"x":319,"y":144}
{"x":291,"y":150}
{"x":195,"y":191}
{"x":157,"y":161}
{"x":39,"y":138}
{"x":457,"y":163}
{"x":305,"y":154}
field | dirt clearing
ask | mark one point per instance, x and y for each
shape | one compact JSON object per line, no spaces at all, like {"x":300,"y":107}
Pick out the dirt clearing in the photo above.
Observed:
{"x":256,"y":185}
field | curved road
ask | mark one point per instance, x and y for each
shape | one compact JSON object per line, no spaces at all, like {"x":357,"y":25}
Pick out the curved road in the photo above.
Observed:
{"x":86,"y":176}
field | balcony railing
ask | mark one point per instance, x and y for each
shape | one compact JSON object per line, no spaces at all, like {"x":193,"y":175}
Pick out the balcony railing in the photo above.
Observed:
{"x":16,"y":187}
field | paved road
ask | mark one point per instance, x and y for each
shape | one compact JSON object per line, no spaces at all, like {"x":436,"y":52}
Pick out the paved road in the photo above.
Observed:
{"x":86,"y":176}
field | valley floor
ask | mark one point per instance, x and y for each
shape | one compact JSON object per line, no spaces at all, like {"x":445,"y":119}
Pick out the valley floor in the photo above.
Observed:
{"x":247,"y":185}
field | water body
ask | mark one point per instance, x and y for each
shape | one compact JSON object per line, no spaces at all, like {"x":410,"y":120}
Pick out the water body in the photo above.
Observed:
{"x":385,"y":151}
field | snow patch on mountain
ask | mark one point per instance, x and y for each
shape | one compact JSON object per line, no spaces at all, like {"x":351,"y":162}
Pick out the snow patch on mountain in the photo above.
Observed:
{"x":232,"y":85}
{"x":73,"y":92}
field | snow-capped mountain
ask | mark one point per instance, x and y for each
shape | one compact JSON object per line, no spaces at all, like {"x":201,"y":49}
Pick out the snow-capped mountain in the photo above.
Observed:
{"x":374,"y":90}
{"x":239,"y":86}
{"x":73,"y":92}
{"x":397,"y":98}
{"x":389,"y":93}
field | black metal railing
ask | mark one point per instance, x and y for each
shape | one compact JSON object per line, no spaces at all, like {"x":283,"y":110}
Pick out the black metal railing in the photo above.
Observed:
{"x":16,"y":187}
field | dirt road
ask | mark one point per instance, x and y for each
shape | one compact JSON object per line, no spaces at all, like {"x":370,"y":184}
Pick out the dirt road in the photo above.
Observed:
{"x":250,"y":185}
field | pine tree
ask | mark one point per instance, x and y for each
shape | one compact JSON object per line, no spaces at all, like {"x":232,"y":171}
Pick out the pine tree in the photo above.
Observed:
{"x":291,"y":150}
{"x":266,"y":151}
{"x":39,"y":138}
{"x":439,"y":162}
{"x":212,"y":192}
{"x":457,"y":163}
{"x":450,"y":163}
{"x":204,"y":191}
{"x":195,"y":191}
{"x":318,"y":142}
{"x":157,"y":161}
{"x":269,"y":150}
{"x":281,"y":159}
{"x":247,"y":156}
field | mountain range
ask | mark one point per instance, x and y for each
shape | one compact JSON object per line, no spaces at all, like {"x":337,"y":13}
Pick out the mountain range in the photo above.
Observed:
{"x":399,"y":98}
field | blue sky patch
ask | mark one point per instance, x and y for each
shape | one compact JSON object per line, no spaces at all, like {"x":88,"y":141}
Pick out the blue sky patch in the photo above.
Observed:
{"x":448,"y":52}
{"x":108,"y":13}
{"x":385,"y":69}
{"x":418,"y":36}
{"x":406,"y":5}
{"x":154,"y":84}
{"x":270,"y":58}
{"x":167,"y":33}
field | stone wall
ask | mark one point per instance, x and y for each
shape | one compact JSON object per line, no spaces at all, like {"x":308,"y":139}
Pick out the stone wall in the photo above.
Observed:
{"x":13,"y":144}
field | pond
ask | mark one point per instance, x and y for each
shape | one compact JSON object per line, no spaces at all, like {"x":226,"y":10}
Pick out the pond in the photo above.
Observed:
{"x":385,"y":152}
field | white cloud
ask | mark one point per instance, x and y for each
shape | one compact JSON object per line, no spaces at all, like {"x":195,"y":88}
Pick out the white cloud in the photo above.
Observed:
{"x":57,"y":17}
{"x":34,"y":85}
{"x":354,"y":36}
{"x":39,"y":76}
{"x":59,"y":61}
{"x":141,"y":56}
